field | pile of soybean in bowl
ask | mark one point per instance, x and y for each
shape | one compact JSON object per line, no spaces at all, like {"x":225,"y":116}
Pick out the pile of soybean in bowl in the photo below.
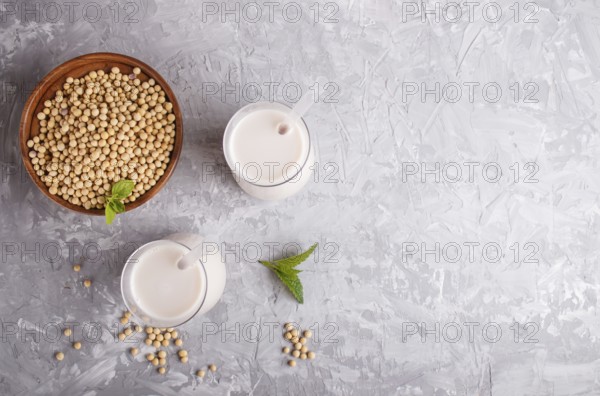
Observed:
{"x":99,"y":129}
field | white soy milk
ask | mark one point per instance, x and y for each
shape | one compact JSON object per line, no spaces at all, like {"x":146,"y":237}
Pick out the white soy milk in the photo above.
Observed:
{"x":267,"y":164}
{"x":160,"y":289}
{"x":255,"y":140}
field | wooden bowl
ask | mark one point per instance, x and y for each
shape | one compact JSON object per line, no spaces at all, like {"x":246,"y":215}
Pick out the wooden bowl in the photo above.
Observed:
{"x":76,"y":68}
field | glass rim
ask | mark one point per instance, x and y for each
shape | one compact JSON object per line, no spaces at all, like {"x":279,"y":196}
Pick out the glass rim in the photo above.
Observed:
{"x":158,"y":323}
{"x":229,"y":131}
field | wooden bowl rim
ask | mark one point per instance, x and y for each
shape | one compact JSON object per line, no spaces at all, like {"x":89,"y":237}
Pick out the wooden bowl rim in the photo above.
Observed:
{"x":28,"y":115}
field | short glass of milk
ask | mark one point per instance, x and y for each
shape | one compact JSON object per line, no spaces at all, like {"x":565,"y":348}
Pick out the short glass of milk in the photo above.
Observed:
{"x":160,"y":294}
{"x":267,"y":164}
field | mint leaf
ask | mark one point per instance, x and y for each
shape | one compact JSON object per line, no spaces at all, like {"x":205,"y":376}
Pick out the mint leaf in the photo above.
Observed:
{"x":293,"y":261}
{"x":116,"y":206}
{"x":287,"y":270}
{"x":122,"y":189}
{"x":110,"y":214}
{"x":292,"y":282}
{"x":114,"y":202}
{"x":288,"y":274}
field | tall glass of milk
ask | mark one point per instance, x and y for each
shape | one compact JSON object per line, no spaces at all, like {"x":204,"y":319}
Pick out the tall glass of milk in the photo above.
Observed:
{"x":160,"y":294}
{"x":267,"y":164}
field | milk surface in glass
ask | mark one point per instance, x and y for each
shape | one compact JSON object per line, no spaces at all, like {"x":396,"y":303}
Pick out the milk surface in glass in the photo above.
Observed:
{"x":160,"y":289}
{"x":267,"y":164}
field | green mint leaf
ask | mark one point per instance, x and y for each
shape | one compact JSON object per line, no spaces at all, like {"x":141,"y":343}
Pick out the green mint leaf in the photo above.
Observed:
{"x":122,"y":189}
{"x":292,"y":282}
{"x":293,"y":261}
{"x":110,"y":214}
{"x":288,"y":274}
{"x":288,"y":270}
{"x":114,"y":203}
{"x":116,"y":206}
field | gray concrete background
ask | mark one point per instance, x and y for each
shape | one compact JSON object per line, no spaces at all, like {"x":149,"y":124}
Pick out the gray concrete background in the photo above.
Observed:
{"x":515,"y":315}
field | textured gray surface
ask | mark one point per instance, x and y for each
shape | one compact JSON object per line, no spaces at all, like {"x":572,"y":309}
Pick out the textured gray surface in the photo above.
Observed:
{"x":363,"y":292}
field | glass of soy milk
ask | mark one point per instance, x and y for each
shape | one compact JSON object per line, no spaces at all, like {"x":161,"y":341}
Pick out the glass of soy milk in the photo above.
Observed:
{"x":267,"y":162}
{"x":159,"y":293}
